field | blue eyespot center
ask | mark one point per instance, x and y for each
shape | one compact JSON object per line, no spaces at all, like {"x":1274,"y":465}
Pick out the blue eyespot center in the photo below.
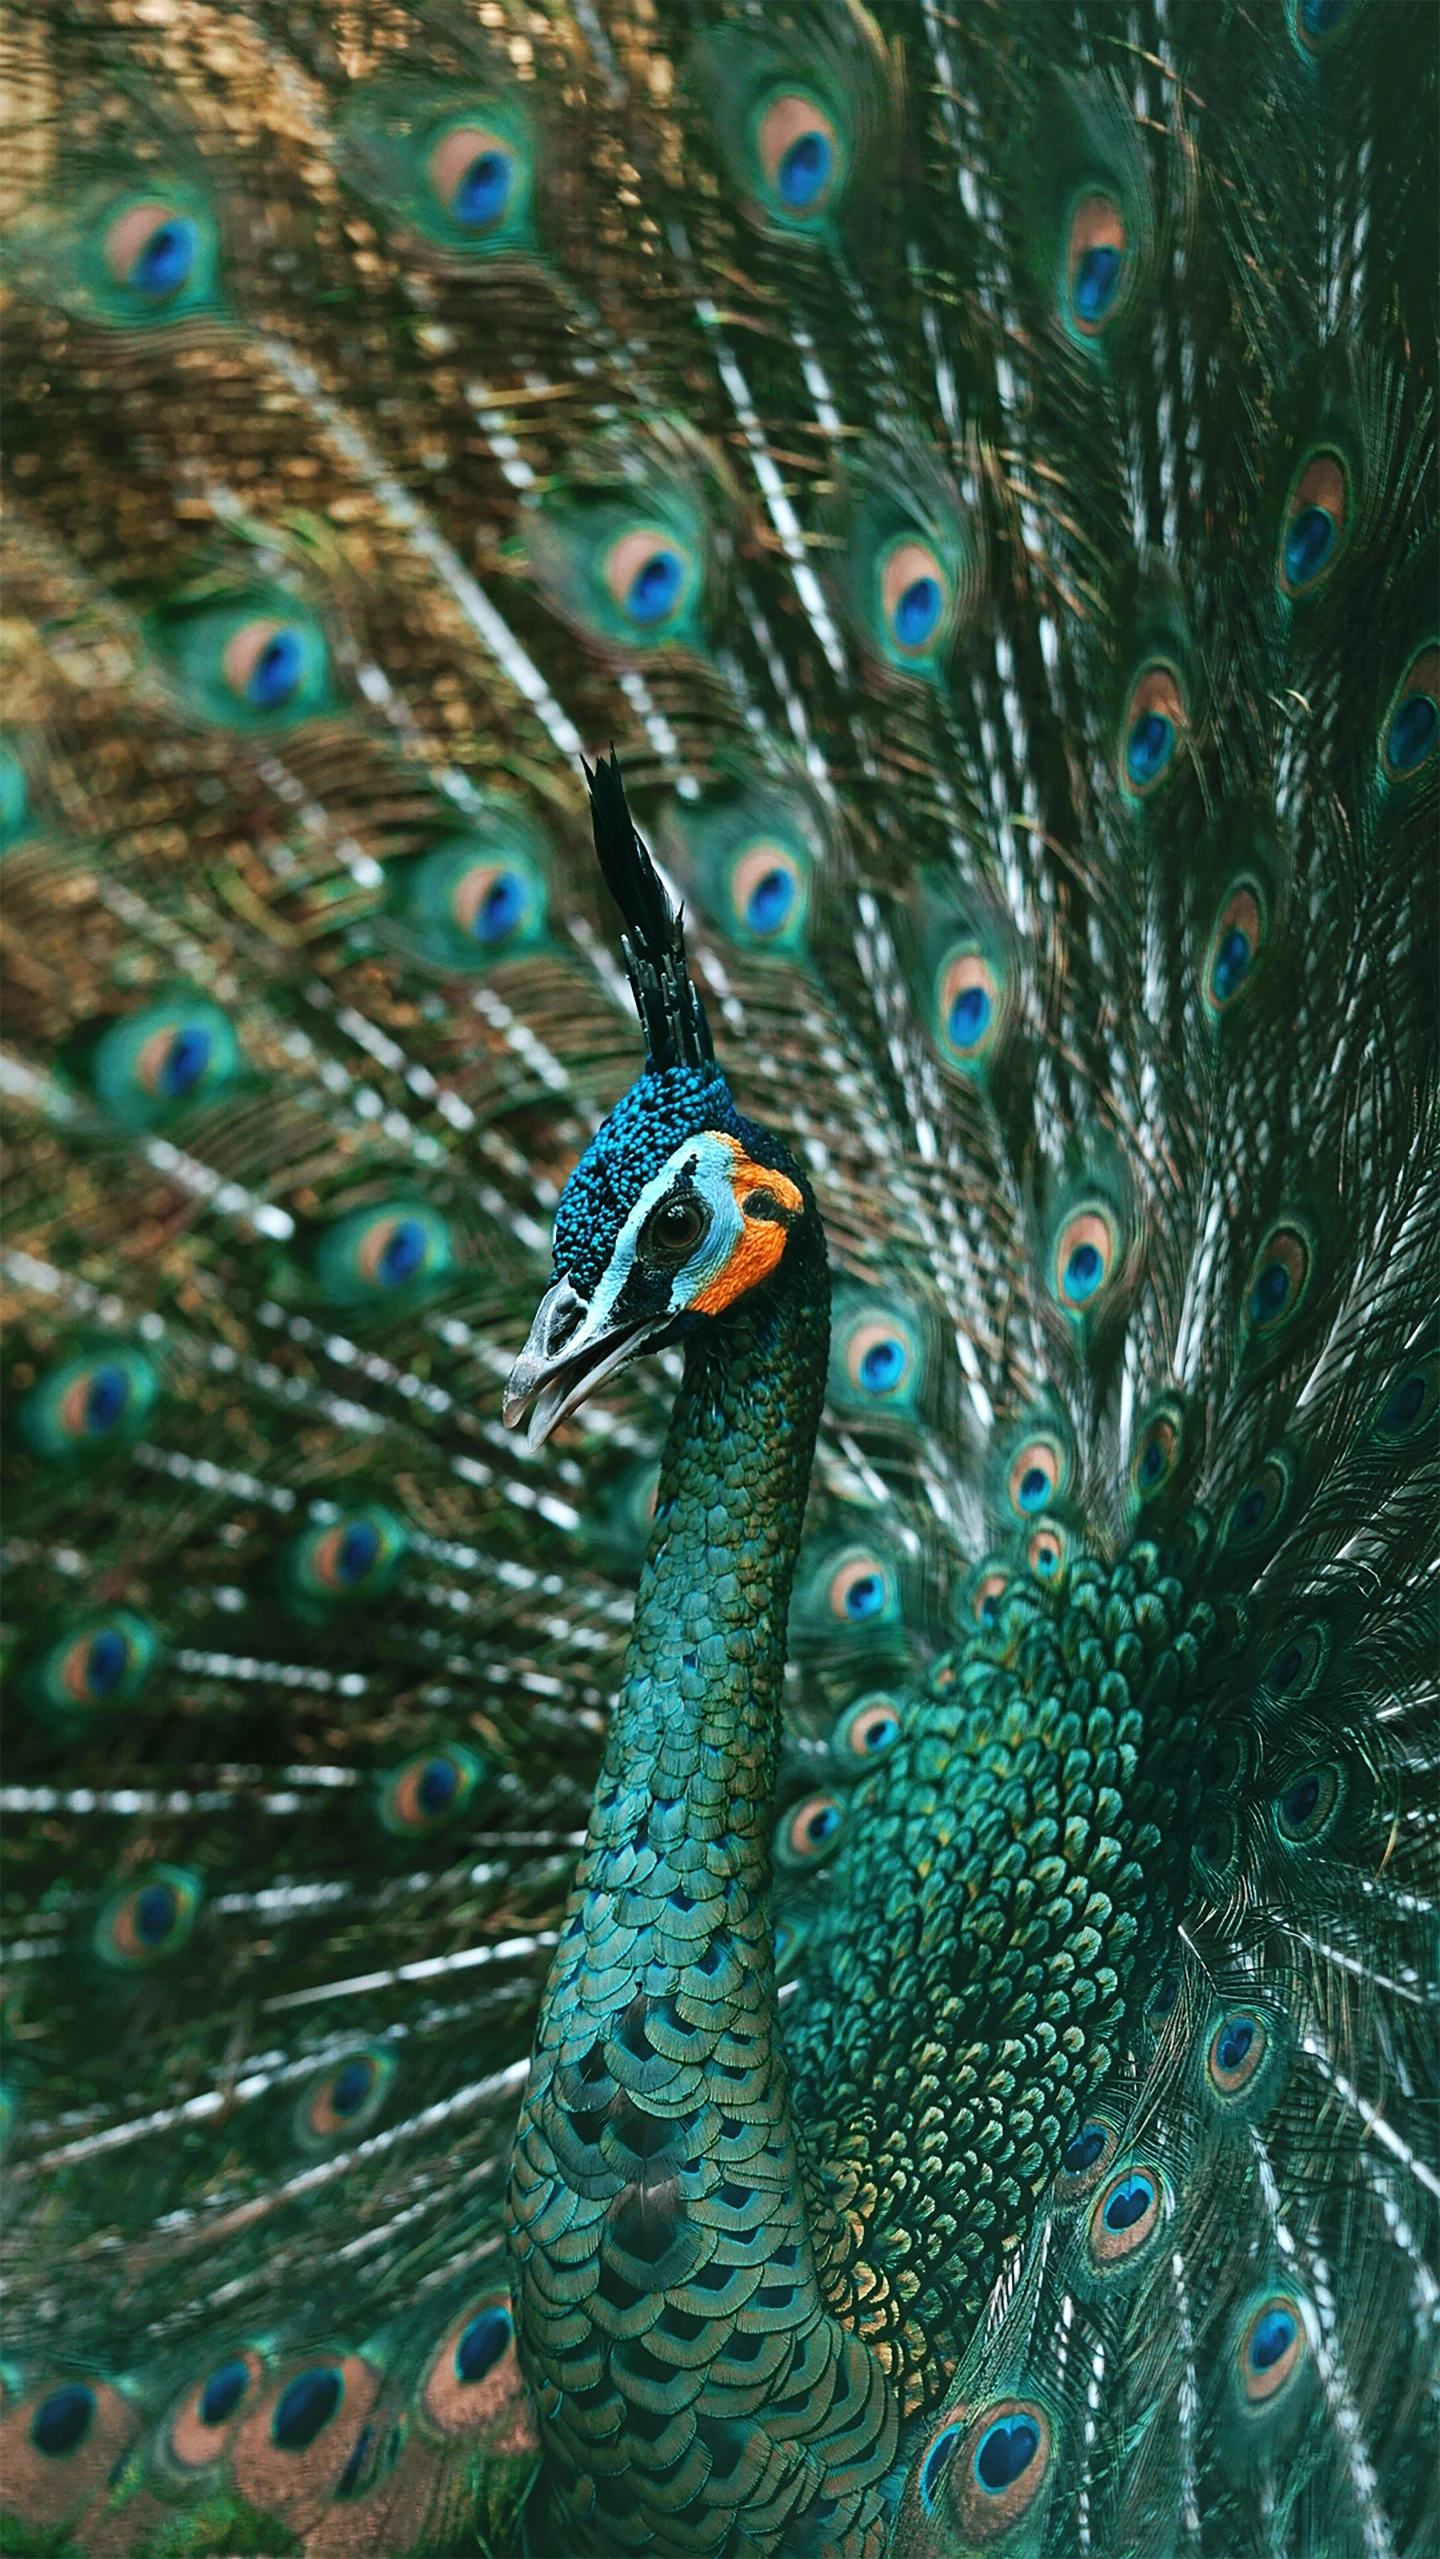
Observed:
{"x":1149,"y":747}
{"x":164,"y":263}
{"x":936,"y":2461}
{"x":882,"y":1366}
{"x":1403,"y":1406}
{"x":186,"y":1061}
{"x":1251,"y":1508}
{"x":1286,"y":1670}
{"x":1300,"y":1802}
{"x":1270,"y":1293}
{"x":403,"y":1253}
{"x":1152,"y":1463}
{"x":277,"y":670}
{"x":500,"y":909}
{"x":305,"y":2406}
{"x":1084,"y":1271}
{"x":1271,"y":2337}
{"x":481,"y":2345}
{"x":865,"y":1596}
{"x":106,"y":1661}
{"x":483,"y":191}
{"x":1309,"y":542}
{"x":352,"y":2084}
{"x":655,"y":588}
{"x":1081,"y":2153}
{"x":1130,"y":2202}
{"x":769,"y":903}
{"x":157,"y":1908}
{"x":1233,"y":2042}
{"x":969,"y":1016}
{"x":1322,"y":17}
{"x":1231,"y":964}
{"x":62,"y":2420}
{"x":917,"y":612}
{"x":805,"y":169}
{"x":106,"y":1402}
{"x":1412,"y":732}
{"x":1005,"y":2451}
{"x":1096,"y":282}
{"x":357,"y":1551}
{"x":822,"y":1824}
{"x":224,"y":2391}
{"x":438,"y":1786}
{"x":1034,"y":1491}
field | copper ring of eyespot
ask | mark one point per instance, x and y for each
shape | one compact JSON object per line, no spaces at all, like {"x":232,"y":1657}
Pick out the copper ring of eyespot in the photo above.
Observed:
{"x":1125,"y":2213}
{"x":1237,"y":2051}
{"x":1272,"y":2348}
{"x":1034,"y":1477}
{"x":1047,"y":1552}
{"x":869,"y":1727}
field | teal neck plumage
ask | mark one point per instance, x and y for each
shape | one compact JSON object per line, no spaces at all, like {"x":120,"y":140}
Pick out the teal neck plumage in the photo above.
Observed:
{"x":666,"y":2288}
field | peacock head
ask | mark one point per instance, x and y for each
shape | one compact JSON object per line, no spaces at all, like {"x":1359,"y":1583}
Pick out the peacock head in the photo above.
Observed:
{"x":679,"y":1208}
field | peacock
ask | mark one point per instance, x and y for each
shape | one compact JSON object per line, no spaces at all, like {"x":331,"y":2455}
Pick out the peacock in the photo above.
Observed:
{"x":721,"y":1234}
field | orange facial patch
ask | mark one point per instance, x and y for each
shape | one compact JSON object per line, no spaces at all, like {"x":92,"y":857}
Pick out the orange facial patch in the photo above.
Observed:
{"x":766,"y":1201}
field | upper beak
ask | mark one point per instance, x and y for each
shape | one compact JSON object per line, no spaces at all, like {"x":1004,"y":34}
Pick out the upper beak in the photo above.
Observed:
{"x":565,"y":1357}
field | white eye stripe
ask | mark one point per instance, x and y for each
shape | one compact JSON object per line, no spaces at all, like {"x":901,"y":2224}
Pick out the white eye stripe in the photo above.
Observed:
{"x":707,"y":1162}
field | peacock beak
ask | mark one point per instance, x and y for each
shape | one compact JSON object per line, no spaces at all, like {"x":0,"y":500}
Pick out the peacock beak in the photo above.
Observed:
{"x":568,"y":1354}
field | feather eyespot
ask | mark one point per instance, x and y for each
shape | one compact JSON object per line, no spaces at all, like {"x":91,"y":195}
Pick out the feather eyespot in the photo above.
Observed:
{"x":1292,"y":1671}
{"x":199,"y":2430}
{"x":490,"y":902}
{"x":1272,"y":2348}
{"x":879,"y":1359}
{"x":151,"y":1922}
{"x":1278,"y":1283}
{"x":809,"y":1832}
{"x":649,"y":576}
{"x":1159,"y":1448}
{"x":149,"y":1068}
{"x":914,"y":597}
{"x":471,"y":171}
{"x":266,"y":662}
{"x":1412,"y":726}
{"x":153,"y":250}
{"x":429,"y":1790}
{"x":1036,"y":1476}
{"x":1316,"y":21}
{"x":861,"y":1591}
{"x":391,"y":1252}
{"x":473,"y":2379}
{"x":1235,"y":946}
{"x":767,"y":890}
{"x":1259,"y":1510}
{"x":868,"y":1729}
{"x":1125,"y":2216}
{"x":89,"y":1402}
{"x":1095,"y":264}
{"x":967,"y":1007}
{"x":1316,"y":517}
{"x":1048,"y":1552}
{"x":103,"y":1663}
{"x":1236,"y":2055}
{"x":1305,"y":1808}
{"x":1084,"y":1260}
{"x":1412,"y":1402}
{"x":990,"y":2467}
{"x":937,"y":2461}
{"x":345,"y":2098}
{"x":1085,"y":2159}
{"x":986,"y":1595}
{"x":1151,"y":732}
{"x":799,"y":152}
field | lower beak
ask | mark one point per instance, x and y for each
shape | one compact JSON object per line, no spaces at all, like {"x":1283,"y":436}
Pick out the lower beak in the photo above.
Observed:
{"x":566,"y":1358}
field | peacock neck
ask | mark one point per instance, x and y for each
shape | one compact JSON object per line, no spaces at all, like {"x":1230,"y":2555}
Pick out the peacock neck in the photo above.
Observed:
{"x":693,"y":1742}
{"x":662,"y":2255}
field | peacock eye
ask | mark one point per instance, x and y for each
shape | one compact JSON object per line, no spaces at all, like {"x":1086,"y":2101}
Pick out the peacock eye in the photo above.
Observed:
{"x":672,"y":1231}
